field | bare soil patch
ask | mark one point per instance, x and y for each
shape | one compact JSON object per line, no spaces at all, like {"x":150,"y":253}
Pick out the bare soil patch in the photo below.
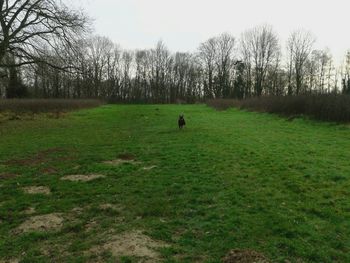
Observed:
{"x":148,"y":168}
{"x":78,"y":210}
{"x":123,"y":158}
{"x":37,"y":190}
{"x":29,"y":211}
{"x":82,"y":177}
{"x":91,"y":225}
{"x":244,"y":256}
{"x":120,"y":161}
{"x":111,"y":207}
{"x":133,"y":244}
{"x":41,"y":223}
{"x":12,"y":260}
{"x":49,"y":170}
{"x":55,"y":250}
{"x":38,"y":158}
{"x":126,"y":156}
{"x":5,"y":176}
{"x":42,"y":157}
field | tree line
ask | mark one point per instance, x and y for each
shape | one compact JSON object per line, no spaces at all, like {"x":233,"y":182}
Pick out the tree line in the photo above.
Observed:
{"x":48,"y":51}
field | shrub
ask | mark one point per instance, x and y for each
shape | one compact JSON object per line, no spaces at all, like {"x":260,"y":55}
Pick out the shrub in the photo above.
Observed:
{"x":321,"y":107}
{"x":223,"y":104}
{"x":46,"y":105}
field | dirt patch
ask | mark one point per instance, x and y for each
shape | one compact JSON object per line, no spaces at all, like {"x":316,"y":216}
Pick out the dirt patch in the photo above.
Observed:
{"x":82,"y":177}
{"x":244,"y":256}
{"x":49,"y":170}
{"x":5,"y":176}
{"x":91,"y":225}
{"x":78,"y":210}
{"x":148,"y":168}
{"x":126,"y":156}
{"x":111,"y":207}
{"x":41,"y":223}
{"x":29,"y":211}
{"x":132,"y":244}
{"x":37,"y":190}
{"x":123,"y":158}
{"x":38,"y":158}
{"x":12,"y":260}
{"x":55,"y":250}
{"x":52,"y":154}
{"x":121,"y":161}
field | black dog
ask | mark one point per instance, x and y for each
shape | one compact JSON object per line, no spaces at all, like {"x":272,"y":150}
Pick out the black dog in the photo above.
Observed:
{"x":181,"y":121}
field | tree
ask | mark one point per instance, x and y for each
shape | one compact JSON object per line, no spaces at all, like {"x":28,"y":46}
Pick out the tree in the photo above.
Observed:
{"x":346,"y":75}
{"x":15,"y":88}
{"x":261,"y":46}
{"x":159,"y":66}
{"x":207,"y":54}
{"x":224,"y":63}
{"x":299,"y":46}
{"x":28,"y":27}
{"x":99,"y":50}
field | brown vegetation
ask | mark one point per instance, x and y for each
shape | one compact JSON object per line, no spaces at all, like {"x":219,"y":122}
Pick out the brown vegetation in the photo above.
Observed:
{"x":41,"y":223}
{"x":244,"y":256}
{"x":321,"y":107}
{"x":46,"y":105}
{"x":82,"y":177}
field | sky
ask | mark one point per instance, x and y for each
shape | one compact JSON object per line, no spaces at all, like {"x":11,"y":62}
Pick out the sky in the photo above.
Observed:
{"x":184,"y":24}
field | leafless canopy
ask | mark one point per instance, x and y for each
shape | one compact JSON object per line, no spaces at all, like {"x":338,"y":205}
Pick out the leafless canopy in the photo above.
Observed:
{"x":29,"y":27}
{"x":299,"y":45}
{"x":261,"y":46}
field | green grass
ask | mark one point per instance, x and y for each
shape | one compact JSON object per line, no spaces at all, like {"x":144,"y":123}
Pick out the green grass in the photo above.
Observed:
{"x":230,"y":179}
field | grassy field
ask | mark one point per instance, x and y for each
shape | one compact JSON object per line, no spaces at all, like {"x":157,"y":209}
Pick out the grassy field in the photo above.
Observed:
{"x":230,"y":180}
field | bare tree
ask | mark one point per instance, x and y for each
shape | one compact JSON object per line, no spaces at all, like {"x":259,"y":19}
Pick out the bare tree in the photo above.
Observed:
{"x":224,"y":63}
{"x":345,"y":75}
{"x":262,"y":45}
{"x":99,"y":51}
{"x":207,"y":54}
{"x":299,"y":46}
{"x":244,"y":68}
{"x":159,"y":62}
{"x":29,"y":25}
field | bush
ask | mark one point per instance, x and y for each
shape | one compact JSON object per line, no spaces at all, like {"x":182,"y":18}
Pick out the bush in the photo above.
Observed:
{"x":45,"y":105}
{"x":223,"y":104}
{"x":321,"y":107}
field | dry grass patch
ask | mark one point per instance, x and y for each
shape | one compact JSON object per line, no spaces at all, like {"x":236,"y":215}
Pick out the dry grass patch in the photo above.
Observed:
{"x":111,"y":207}
{"x":55,"y":250}
{"x":49,"y":170}
{"x":122,"y":159}
{"x":12,"y":260}
{"x":41,"y":223}
{"x":117,"y":162}
{"x":37,"y":190}
{"x":78,"y":210}
{"x":148,"y":168}
{"x":244,"y":256}
{"x":91,"y":225}
{"x":132,"y":244}
{"x":5,"y":176}
{"x":39,"y":158}
{"x":82,"y":177}
{"x":126,"y":156}
{"x":29,"y":211}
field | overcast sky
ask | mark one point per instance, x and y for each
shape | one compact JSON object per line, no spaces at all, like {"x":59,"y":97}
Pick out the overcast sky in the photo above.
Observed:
{"x":183,"y":24}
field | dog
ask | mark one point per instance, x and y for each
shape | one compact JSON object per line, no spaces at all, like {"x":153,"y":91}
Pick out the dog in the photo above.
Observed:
{"x":181,"y":121}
